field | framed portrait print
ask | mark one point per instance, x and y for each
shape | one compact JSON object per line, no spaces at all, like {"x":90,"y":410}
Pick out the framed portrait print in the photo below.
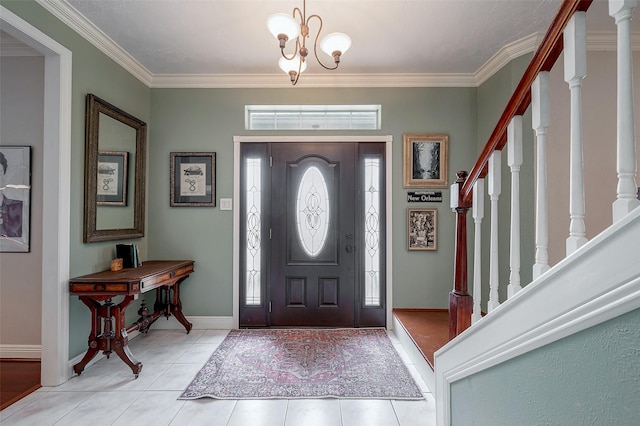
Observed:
{"x":193,"y":179}
{"x":422,"y":229}
{"x":425,"y":161}
{"x":113,"y":172}
{"x":15,"y":198}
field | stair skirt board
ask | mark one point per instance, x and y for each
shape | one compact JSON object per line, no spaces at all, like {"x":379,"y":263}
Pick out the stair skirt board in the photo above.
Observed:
{"x":415,"y":356}
{"x":519,"y":325}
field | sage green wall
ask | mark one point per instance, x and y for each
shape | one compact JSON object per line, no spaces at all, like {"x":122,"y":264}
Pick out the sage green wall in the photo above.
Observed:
{"x":589,"y":378}
{"x":207,"y":120}
{"x":93,"y":72}
{"x":493,"y":96}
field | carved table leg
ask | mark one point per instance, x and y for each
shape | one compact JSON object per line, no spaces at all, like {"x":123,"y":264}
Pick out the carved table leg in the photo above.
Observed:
{"x":121,"y":339}
{"x":177,"y":307}
{"x":105,"y":336}
{"x":93,"y":350}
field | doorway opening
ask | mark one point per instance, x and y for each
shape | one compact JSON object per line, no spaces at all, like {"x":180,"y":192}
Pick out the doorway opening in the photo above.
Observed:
{"x":56,"y":195}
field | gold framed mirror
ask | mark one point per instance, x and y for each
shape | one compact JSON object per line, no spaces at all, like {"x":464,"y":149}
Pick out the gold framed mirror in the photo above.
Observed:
{"x":115,"y":153}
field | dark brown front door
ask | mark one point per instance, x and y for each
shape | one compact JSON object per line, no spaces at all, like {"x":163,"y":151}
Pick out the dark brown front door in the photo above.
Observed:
{"x":312,"y":234}
{"x":313,"y":261}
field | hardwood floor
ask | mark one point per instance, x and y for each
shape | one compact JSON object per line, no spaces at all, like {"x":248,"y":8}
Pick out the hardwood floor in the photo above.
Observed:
{"x":428,"y":328}
{"x":18,"y":378}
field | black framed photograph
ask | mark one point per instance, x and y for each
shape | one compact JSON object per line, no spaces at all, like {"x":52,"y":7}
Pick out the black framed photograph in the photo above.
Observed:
{"x":425,"y":160}
{"x":193,"y":179}
{"x":15,"y":198}
{"x":422,"y":229}
{"x":113,"y":172}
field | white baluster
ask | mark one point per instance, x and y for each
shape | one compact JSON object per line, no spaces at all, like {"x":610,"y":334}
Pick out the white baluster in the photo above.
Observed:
{"x":575,"y":68}
{"x":514,"y":160}
{"x":494,"y":188}
{"x":478,"y":213}
{"x":540,"y":119}
{"x":626,"y":165}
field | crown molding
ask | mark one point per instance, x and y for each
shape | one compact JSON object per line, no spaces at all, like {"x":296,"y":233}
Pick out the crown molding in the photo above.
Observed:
{"x":607,"y":41}
{"x":10,"y":46}
{"x":603,"y":41}
{"x":505,"y":55}
{"x":62,"y":10}
{"x":17,"y":50}
{"x":248,"y":81}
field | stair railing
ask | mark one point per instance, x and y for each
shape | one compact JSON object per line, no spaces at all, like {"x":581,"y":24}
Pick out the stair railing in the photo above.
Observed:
{"x":567,"y":31}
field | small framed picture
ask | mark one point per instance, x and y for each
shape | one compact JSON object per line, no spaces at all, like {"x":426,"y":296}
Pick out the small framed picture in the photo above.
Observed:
{"x":425,"y":161}
{"x":193,"y":179}
{"x":15,"y":198}
{"x":422,"y":229}
{"x":113,"y":172}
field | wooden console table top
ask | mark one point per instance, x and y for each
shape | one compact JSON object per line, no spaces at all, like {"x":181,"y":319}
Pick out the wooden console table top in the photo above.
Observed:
{"x":131,"y":281}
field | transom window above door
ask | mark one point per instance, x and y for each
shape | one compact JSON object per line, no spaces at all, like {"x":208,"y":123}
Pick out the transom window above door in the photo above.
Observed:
{"x":312,"y":117}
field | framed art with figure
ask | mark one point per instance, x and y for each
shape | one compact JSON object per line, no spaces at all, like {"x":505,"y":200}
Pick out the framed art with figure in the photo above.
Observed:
{"x":422,"y":229}
{"x":113,"y":172}
{"x":15,"y":194}
{"x":193,"y":179}
{"x":425,"y":160}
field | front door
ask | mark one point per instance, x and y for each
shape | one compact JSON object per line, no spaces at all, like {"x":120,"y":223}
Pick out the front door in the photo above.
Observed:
{"x":314,"y":236}
{"x":312,"y":222}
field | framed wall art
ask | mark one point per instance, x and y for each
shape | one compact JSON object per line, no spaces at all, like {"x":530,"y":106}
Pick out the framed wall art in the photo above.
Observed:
{"x":113,"y":173}
{"x":425,"y":160}
{"x":193,"y":179}
{"x":422,"y":229}
{"x":15,"y":198}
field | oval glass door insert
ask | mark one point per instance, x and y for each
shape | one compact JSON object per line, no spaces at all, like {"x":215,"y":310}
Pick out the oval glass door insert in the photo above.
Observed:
{"x":312,"y":211}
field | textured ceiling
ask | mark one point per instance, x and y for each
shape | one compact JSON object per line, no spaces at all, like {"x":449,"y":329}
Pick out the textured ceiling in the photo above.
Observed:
{"x":389,"y":36}
{"x":392,"y":39}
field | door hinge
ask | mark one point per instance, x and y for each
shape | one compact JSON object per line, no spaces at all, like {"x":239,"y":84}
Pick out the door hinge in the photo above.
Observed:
{"x":269,"y":307}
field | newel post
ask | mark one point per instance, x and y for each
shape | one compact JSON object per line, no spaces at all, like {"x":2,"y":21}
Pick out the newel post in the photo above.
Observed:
{"x":460,"y":302}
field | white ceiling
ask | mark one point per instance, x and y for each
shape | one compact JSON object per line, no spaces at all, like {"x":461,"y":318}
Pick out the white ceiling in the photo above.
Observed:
{"x":201,"y":42}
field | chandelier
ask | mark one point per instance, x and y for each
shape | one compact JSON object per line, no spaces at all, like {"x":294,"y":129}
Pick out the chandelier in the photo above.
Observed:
{"x":285,"y":27}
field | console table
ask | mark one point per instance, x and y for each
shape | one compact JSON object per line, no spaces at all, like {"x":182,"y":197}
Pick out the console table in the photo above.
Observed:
{"x":109,"y":332}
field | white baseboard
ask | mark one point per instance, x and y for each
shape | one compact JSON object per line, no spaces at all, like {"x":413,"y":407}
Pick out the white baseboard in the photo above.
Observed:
{"x":199,"y":323}
{"x":21,"y":351}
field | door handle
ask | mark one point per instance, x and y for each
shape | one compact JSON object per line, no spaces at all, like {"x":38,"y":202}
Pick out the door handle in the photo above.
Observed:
{"x":350,"y":249}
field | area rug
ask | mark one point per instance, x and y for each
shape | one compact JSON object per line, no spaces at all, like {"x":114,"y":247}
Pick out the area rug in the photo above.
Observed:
{"x":304,"y":363}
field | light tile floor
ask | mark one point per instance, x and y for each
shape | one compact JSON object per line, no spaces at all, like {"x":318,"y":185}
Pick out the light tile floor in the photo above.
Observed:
{"x":106,"y":393}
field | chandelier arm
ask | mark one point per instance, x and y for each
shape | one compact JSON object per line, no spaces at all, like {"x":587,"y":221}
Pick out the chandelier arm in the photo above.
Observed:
{"x":295,"y":52}
{"x":300,"y":13}
{"x":297,"y":49}
{"x":315,"y":44}
{"x":293,"y":55}
{"x":299,"y":72}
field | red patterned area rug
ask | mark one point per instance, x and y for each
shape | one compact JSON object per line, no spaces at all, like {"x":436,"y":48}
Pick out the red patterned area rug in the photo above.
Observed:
{"x":304,"y":363}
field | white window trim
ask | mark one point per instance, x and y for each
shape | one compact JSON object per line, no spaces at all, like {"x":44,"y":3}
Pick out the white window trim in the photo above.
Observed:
{"x":324,"y":123}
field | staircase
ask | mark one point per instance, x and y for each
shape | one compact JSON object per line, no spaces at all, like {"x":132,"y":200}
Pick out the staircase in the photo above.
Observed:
{"x":559,"y":342}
